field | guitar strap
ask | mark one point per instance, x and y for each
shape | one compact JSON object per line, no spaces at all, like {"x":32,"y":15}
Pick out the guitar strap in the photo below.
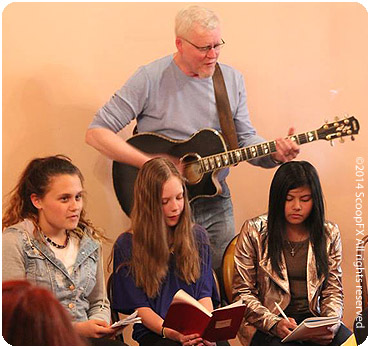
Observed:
{"x":224,"y":110}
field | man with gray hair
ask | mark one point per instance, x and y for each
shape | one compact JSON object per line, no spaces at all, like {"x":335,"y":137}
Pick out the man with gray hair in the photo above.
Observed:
{"x":174,"y":96}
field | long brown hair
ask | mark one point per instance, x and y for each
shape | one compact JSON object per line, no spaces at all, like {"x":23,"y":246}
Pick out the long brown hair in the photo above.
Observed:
{"x":36,"y":179}
{"x":150,"y":244}
{"x":33,"y":316}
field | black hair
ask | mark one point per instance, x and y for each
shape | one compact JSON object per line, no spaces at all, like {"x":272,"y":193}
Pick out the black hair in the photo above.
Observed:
{"x":292,"y":175}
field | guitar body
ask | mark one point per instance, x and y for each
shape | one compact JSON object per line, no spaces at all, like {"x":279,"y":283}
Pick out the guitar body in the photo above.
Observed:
{"x":203,"y":143}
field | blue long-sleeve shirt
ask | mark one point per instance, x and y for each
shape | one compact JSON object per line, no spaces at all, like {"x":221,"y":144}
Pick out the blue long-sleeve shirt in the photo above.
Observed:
{"x":166,"y":101}
{"x":127,"y":296}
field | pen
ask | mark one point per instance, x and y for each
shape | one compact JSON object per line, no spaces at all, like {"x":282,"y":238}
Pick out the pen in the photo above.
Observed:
{"x":281,"y":311}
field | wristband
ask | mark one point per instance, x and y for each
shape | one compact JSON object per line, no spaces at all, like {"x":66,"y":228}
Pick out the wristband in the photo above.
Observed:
{"x":163,"y":334}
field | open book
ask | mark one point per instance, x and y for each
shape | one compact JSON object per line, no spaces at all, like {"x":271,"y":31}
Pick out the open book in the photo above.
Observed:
{"x":309,"y":326}
{"x":131,"y":319}
{"x":187,"y":316}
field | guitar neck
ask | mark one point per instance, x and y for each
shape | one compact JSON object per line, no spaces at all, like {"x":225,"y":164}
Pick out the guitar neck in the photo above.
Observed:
{"x":233,"y":157}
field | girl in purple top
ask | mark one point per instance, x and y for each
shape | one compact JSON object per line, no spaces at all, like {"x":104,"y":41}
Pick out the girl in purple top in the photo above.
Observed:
{"x":163,"y":252}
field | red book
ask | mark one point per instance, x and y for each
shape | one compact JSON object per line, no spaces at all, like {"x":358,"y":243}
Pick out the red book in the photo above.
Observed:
{"x":187,"y":316}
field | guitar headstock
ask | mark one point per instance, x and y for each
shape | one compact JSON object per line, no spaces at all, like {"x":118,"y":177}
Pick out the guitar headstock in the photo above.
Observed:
{"x":339,"y":129}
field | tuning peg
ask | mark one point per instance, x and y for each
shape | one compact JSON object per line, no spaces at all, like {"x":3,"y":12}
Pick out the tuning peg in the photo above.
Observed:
{"x":331,"y":143}
{"x":341,"y":140}
{"x":336,"y":123}
{"x":352,"y":138}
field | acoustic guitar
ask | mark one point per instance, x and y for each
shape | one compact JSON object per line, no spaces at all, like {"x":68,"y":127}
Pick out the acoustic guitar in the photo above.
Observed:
{"x":205,"y":153}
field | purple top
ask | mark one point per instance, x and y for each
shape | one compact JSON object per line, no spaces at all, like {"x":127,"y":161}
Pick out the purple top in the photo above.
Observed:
{"x":127,"y":297}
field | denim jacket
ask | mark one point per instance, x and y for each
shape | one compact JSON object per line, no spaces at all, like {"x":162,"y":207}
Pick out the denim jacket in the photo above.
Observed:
{"x":82,"y":293}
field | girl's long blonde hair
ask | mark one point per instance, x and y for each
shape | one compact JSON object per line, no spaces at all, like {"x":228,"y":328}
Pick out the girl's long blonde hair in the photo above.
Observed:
{"x":36,"y":179}
{"x":151,"y":247}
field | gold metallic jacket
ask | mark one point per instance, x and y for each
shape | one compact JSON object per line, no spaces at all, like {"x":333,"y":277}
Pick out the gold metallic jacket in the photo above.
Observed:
{"x":259,"y":286}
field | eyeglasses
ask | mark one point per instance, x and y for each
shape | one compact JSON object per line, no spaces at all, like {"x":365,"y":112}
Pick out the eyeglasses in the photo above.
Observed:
{"x":206,"y":49}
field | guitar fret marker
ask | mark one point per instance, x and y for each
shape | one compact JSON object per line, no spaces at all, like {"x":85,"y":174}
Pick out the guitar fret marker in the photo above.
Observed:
{"x":254,"y":152}
{"x":218,"y":161}
{"x":265,"y":148}
{"x":206,"y":163}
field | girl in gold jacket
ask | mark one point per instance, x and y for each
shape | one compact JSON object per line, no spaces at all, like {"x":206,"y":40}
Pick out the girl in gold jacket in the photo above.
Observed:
{"x":291,"y":256}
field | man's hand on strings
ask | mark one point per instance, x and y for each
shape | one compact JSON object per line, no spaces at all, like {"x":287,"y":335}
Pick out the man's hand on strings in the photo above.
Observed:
{"x":286,"y":149}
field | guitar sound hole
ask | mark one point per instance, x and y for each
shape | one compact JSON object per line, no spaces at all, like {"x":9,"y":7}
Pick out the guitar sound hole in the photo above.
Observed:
{"x":192,"y":169}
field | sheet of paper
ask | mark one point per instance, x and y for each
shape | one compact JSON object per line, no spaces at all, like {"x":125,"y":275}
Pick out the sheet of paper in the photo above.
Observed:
{"x":131,"y":319}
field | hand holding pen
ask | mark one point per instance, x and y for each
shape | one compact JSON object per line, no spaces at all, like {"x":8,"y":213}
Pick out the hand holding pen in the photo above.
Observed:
{"x":284,"y":326}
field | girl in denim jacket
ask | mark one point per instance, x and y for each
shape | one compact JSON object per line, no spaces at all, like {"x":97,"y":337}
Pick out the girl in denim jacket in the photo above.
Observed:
{"x":48,"y":241}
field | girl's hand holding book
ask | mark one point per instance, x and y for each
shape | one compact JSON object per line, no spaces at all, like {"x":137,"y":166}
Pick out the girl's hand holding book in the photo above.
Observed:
{"x":323,"y":336}
{"x":186,"y":340}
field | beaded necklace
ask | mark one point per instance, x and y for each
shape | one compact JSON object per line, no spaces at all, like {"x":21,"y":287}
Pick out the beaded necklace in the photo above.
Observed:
{"x":55,"y":244}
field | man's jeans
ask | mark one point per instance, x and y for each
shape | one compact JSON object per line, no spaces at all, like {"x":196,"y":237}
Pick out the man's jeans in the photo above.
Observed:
{"x":215,"y":214}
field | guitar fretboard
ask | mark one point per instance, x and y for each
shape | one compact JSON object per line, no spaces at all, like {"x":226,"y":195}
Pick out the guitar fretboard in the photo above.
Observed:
{"x":233,"y":157}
